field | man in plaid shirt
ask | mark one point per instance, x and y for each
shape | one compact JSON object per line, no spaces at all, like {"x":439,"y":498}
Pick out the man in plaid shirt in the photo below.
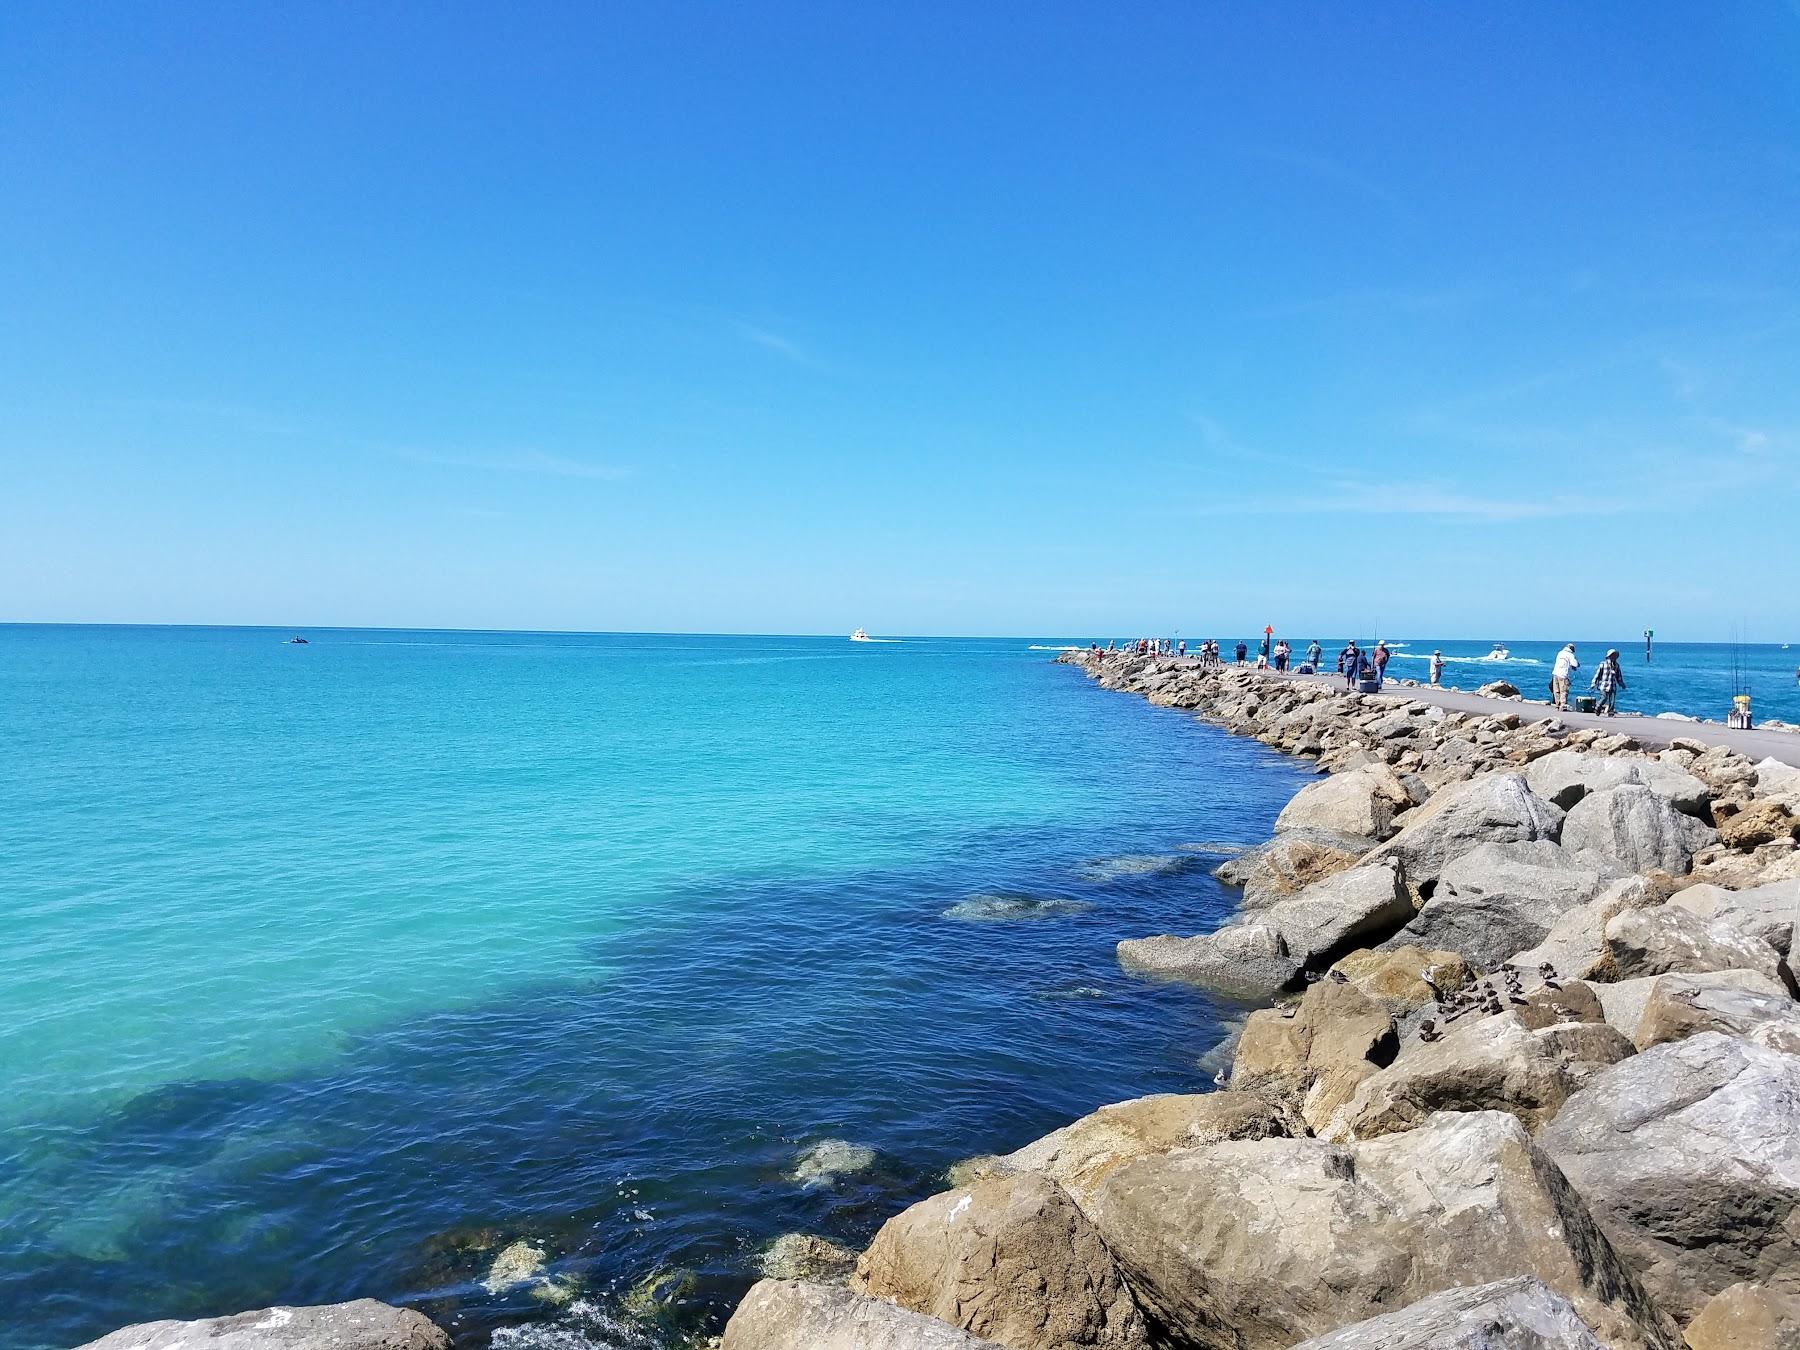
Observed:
{"x":1608,"y":680}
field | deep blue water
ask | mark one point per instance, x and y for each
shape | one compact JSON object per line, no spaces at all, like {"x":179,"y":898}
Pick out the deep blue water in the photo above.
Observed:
{"x":331,"y":968}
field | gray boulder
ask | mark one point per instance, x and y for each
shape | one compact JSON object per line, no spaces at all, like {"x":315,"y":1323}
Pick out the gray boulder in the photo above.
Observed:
{"x":1767,"y":911}
{"x":361,"y":1325}
{"x":1495,"y":1063}
{"x":1498,"y":899}
{"x":1359,"y":802}
{"x":1496,"y":808}
{"x":1624,"y":1001}
{"x":1255,"y":1246}
{"x":1688,"y":1154}
{"x":1576,"y":943}
{"x":1522,"y":1313}
{"x":1636,"y":829}
{"x":1244,"y":961}
{"x":1566,"y":776}
{"x":1668,"y":938}
{"x":1741,"y":1003}
{"x":1012,"y":1259}
{"x":1364,"y":904}
{"x":793,"y":1315}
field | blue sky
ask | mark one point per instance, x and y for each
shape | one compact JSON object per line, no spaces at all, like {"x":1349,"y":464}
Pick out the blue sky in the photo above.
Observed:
{"x":936,"y":318}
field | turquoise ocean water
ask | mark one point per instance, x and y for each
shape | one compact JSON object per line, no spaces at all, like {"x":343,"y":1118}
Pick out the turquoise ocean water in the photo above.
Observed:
{"x":329,"y":969}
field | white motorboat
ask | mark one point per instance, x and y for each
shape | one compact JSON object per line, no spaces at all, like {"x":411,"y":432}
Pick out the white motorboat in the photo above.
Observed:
{"x":1500,"y":653}
{"x":861,"y":635}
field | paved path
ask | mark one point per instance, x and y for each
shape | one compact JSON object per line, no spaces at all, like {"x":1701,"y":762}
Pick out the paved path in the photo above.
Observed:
{"x":1651,"y":732}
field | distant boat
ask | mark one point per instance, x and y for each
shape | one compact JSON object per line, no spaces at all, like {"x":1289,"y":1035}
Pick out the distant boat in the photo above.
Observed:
{"x":861,"y":635}
{"x":1500,"y":653}
{"x":297,"y":639}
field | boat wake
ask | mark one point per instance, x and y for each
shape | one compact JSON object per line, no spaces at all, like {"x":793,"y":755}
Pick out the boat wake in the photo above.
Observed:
{"x":1472,"y":660}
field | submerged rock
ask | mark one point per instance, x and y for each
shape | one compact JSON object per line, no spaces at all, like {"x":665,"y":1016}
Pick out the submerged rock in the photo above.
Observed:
{"x":1012,"y":1259}
{"x":795,"y":1315}
{"x":1689,"y":1156}
{"x":830,"y":1159}
{"x":1522,"y":1313}
{"x":515,"y":1265}
{"x":1011,"y":908}
{"x":1255,"y":1246}
{"x":362,"y":1325}
{"x":1137,"y":865}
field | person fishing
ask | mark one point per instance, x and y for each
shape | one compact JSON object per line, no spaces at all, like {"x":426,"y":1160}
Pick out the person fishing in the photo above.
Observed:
{"x":1608,"y":680}
{"x":1350,"y":661}
{"x":1437,"y":667}
{"x":1560,"y":675}
{"x":1380,"y":662}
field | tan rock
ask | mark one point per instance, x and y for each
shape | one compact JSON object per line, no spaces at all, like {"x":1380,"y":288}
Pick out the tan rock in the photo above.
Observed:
{"x":797,"y":1315}
{"x":1396,"y":979}
{"x":1762,"y":822}
{"x":1012,"y":1259}
{"x":1742,"y":1003}
{"x":1360,"y":802}
{"x":1748,"y":1317}
{"x":1337,"y":1037}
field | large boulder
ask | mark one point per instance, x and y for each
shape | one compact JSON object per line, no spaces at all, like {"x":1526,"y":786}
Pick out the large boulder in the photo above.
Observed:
{"x":1766,"y":911}
{"x":1360,"y":802}
{"x":1288,"y":864}
{"x":1779,"y":782}
{"x":361,"y":1325}
{"x":1335,"y":1038}
{"x":1566,"y":776}
{"x":1634,"y":828}
{"x":1761,"y":822}
{"x":1747,"y":1317}
{"x":1688,"y":1154}
{"x":1496,"y":808}
{"x":1011,"y":1259}
{"x":1255,"y":1246}
{"x":1365,"y":903}
{"x":1742,"y":1003}
{"x":1522,"y":1313}
{"x":1575,"y":946}
{"x":1248,"y":961}
{"x":1498,"y":899}
{"x":794,"y":1315}
{"x":1405,"y":978}
{"x":1670,"y":938}
{"x":1080,"y":1156}
{"x":1495,"y":1063}
{"x":1623,"y":1001}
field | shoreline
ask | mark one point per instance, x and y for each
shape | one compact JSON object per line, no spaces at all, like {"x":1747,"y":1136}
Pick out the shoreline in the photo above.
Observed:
{"x":1346,"y":921}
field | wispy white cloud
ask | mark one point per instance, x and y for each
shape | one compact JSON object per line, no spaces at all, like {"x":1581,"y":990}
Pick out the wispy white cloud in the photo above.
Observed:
{"x":775,"y":342}
{"x":1399,"y":498}
{"x":519,"y":461}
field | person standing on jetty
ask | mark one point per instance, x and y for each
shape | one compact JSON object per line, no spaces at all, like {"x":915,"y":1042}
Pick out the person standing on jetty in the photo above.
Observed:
{"x":1243,"y":650}
{"x":1314,"y":653}
{"x":1437,"y":667}
{"x":1560,"y":674}
{"x":1382,"y":657}
{"x":1608,"y":680}
{"x":1350,"y":661}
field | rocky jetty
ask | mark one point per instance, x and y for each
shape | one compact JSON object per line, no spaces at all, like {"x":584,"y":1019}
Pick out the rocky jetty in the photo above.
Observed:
{"x":1530,"y":1076}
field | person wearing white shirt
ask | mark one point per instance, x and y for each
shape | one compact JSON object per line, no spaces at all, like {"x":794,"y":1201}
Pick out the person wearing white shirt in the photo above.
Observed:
{"x":1560,"y":674}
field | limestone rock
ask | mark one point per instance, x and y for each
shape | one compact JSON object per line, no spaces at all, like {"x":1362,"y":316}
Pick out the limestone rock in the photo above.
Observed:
{"x":1762,"y":822}
{"x":793,"y":1315}
{"x":1255,"y":1246}
{"x":1688,"y":1154}
{"x":1742,"y":1003}
{"x":804,"y":1256}
{"x":1395,"y":977}
{"x":1637,"y":829}
{"x":1494,"y":1063}
{"x":1498,"y":899}
{"x":1337,"y":1037}
{"x":1080,"y":1156}
{"x":1360,"y":802}
{"x":1247,"y":961}
{"x":1012,"y":1259}
{"x":1522,"y":1313}
{"x":1747,"y":1317}
{"x":1670,"y":938}
{"x":1576,"y":943}
{"x":362,"y":1325}
{"x":1779,"y":782}
{"x":1288,"y":864}
{"x":1566,"y":776}
{"x":1765,"y":911}
{"x":1365,"y":903}
{"x":1497,"y":808}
